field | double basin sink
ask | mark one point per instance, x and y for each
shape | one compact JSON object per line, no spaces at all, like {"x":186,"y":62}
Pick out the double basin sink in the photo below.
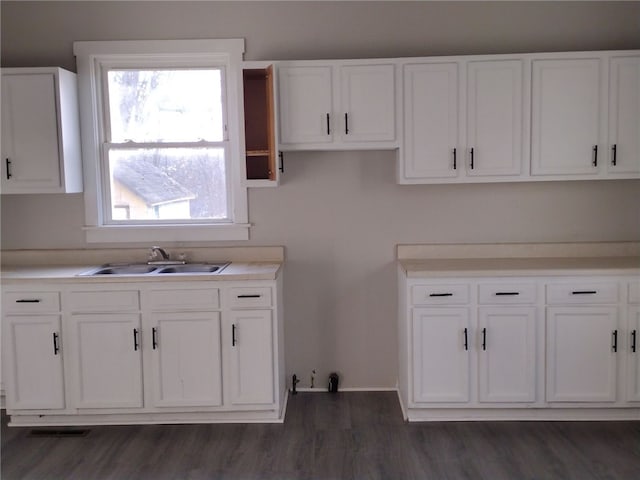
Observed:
{"x":150,"y":269}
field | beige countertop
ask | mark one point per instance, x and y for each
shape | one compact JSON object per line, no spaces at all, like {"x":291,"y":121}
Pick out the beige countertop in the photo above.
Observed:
{"x":62,"y":273}
{"x":450,"y":267}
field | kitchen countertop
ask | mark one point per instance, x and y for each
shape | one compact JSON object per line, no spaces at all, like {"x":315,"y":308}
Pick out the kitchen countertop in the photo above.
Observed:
{"x":62,"y":273}
{"x":452,"y":267}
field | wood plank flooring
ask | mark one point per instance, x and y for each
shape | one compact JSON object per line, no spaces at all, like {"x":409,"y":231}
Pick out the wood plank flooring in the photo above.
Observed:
{"x":331,"y":436}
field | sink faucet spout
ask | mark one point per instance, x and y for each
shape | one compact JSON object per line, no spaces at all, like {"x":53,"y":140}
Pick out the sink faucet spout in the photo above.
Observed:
{"x":158,"y":253}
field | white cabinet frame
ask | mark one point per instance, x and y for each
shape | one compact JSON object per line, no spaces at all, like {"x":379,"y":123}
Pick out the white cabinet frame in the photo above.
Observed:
{"x":338,"y":104}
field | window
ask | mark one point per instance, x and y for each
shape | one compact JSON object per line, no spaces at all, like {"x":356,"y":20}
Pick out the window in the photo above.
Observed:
{"x":162,"y":156}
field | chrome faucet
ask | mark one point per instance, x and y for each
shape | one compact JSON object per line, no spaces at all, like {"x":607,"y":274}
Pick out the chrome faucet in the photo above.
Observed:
{"x":158,"y":254}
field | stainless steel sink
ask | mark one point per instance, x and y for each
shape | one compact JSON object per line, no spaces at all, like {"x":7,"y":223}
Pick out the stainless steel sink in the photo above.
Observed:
{"x":194,"y":268}
{"x":145,"y":269}
{"x":134,"y":269}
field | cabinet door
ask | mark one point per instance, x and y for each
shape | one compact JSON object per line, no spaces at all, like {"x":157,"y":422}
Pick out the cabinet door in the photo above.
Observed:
{"x":581,"y":358}
{"x":367,"y":103}
{"x":624,"y":115}
{"x":507,"y":354}
{"x":633,"y":385}
{"x":107,"y":360}
{"x":494,"y":117}
{"x":306,"y":97}
{"x":565,"y":117}
{"x":249,"y":338}
{"x":187,"y":359}
{"x":32,"y":360}
{"x":30,"y":148}
{"x":431,"y":121}
{"x":440,"y":354}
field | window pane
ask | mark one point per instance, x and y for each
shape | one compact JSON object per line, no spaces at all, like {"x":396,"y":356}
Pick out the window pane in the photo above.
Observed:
{"x":165,"y":105}
{"x":168,"y":184}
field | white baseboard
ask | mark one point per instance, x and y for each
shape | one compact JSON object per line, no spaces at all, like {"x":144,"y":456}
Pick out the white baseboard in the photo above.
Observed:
{"x":347,"y":389}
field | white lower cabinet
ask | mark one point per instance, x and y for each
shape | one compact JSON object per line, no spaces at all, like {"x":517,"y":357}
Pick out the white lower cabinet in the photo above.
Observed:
{"x":582,"y":344}
{"x":106,"y":359}
{"x":535,"y":347}
{"x":186,"y":359}
{"x":33,"y":362}
{"x":144,"y":352}
{"x":507,"y":354}
{"x":183,"y":345}
{"x":249,"y":337}
{"x":32,"y":350}
{"x":633,"y":350}
{"x":441,"y":360}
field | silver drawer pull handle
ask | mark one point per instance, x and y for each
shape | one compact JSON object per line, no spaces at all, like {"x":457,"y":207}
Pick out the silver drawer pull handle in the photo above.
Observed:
{"x":441,"y":294}
{"x":249,"y":296}
{"x":584,"y":292}
{"x":28,"y":300}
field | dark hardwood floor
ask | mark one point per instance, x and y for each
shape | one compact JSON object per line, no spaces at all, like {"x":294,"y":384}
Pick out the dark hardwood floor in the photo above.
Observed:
{"x":331,"y":436}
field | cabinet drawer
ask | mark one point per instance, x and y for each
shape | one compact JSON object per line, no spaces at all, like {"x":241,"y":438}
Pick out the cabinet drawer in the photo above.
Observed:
{"x":185,"y":299}
{"x":506,"y":293}
{"x":634,"y":292}
{"x":240,"y":297}
{"x":31,"y":302}
{"x":577,"y":293}
{"x":440,"y":294}
{"x":115,"y":301}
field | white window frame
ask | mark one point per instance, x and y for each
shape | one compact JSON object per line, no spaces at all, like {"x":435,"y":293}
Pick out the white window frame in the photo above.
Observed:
{"x":92,"y":58}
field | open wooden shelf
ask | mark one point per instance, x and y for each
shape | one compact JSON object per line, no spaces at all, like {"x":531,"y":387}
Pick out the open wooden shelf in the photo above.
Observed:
{"x":258,"y":123}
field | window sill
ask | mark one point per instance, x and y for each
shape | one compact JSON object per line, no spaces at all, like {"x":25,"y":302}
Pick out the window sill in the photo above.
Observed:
{"x":166,"y":233}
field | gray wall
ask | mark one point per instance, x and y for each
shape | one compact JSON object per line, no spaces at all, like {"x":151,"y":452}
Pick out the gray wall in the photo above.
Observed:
{"x":341,"y":214}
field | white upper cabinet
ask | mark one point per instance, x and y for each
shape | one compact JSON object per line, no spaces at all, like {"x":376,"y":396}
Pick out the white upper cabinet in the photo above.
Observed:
{"x":431,"y":137}
{"x":624,"y":115}
{"x":463,"y":121}
{"x":494,"y":117}
{"x":337,"y":105}
{"x":305,"y":104}
{"x":511,"y":118}
{"x":40,"y":131}
{"x":368,"y":103}
{"x":566,"y":117}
